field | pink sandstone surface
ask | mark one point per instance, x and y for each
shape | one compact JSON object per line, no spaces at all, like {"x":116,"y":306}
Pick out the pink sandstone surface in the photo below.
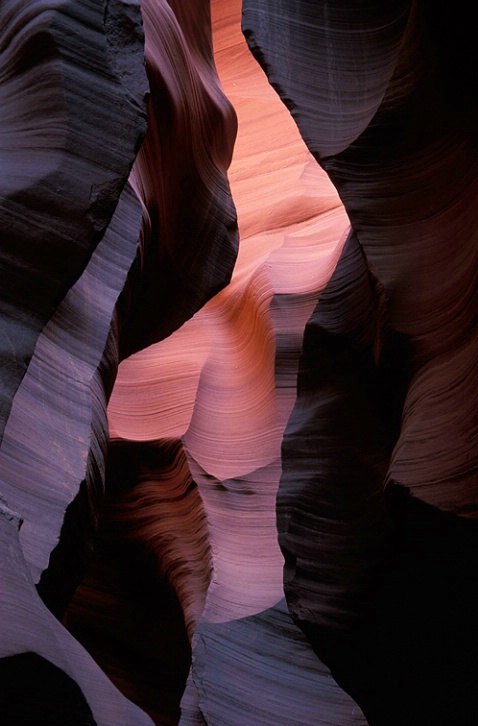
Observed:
{"x":176,"y":453}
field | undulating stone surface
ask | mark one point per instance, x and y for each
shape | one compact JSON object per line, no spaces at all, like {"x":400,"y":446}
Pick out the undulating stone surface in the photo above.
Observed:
{"x":152,"y":552}
{"x":380,"y":463}
{"x":180,"y":175}
{"x":339,"y":407}
{"x":74,"y":95}
{"x":73,"y":116}
{"x":264,"y":653}
{"x":224,"y":384}
{"x":64,"y":97}
{"x":56,"y":435}
{"x":86,"y":263}
{"x":36,"y":647}
{"x":149,"y":556}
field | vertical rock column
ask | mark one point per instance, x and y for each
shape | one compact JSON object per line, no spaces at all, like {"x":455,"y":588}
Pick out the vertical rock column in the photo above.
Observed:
{"x":384,"y":96}
{"x":73,"y":96}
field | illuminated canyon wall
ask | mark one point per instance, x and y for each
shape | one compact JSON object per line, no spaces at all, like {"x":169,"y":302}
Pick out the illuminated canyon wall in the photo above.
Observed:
{"x":177,"y":453}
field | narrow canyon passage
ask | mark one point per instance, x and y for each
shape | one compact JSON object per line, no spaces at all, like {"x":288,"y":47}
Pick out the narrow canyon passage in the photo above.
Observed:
{"x":223,"y":386}
{"x":238,"y":352}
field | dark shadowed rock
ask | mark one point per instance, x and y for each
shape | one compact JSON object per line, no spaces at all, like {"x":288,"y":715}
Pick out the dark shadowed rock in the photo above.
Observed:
{"x":90,"y":265}
{"x":72,"y":123}
{"x":190,"y":234}
{"x":383,"y":95}
{"x":61,"y":680}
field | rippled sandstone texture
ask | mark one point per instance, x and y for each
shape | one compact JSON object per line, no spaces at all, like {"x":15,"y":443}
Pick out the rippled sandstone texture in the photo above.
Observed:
{"x":171,"y":548}
{"x":226,"y":407}
{"x":378,"y":498}
{"x":86,"y":260}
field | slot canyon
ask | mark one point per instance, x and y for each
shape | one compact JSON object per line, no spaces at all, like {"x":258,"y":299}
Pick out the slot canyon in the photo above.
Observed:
{"x":239,"y":363}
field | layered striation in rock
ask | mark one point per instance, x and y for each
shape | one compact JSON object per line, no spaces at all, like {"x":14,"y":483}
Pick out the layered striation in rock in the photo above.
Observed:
{"x":56,"y":435}
{"x":86,"y":262}
{"x":152,"y":548}
{"x":224,"y":384}
{"x":180,"y":175}
{"x":61,"y":175}
{"x":149,"y":531}
{"x":379,"y":455}
{"x":73,"y":121}
{"x":46,"y":675}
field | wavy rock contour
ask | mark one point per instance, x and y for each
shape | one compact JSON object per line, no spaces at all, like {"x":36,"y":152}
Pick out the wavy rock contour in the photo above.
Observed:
{"x":82,"y":251}
{"x":379,"y":474}
{"x":224,"y":383}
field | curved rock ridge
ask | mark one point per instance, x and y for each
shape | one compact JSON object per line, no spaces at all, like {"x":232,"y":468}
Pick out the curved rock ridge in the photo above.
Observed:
{"x":266,"y":652}
{"x":152,"y":542}
{"x":190,"y":233}
{"x":85,"y":292}
{"x":420,"y":184}
{"x":61,"y":175}
{"x":330,"y":507}
{"x":223,"y":401}
{"x":378,"y":578}
{"x":188,"y":245}
{"x":31,"y":632}
{"x":292,"y":226}
{"x":212,"y":230}
{"x":69,"y":226}
{"x":56,"y":434}
{"x":225,"y":384}
{"x":350,"y":52}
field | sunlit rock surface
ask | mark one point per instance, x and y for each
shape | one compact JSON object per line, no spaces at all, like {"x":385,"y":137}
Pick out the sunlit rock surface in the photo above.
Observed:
{"x":225,"y":384}
{"x":382,"y":582}
{"x":151,"y":532}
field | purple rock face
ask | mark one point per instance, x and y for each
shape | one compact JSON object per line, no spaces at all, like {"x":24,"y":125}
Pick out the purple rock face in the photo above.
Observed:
{"x":162,"y":551}
{"x":92,"y":267}
{"x":61,"y":175}
{"x":36,"y":644}
{"x":72,"y":121}
{"x":383,"y":96}
{"x":331,"y":63}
